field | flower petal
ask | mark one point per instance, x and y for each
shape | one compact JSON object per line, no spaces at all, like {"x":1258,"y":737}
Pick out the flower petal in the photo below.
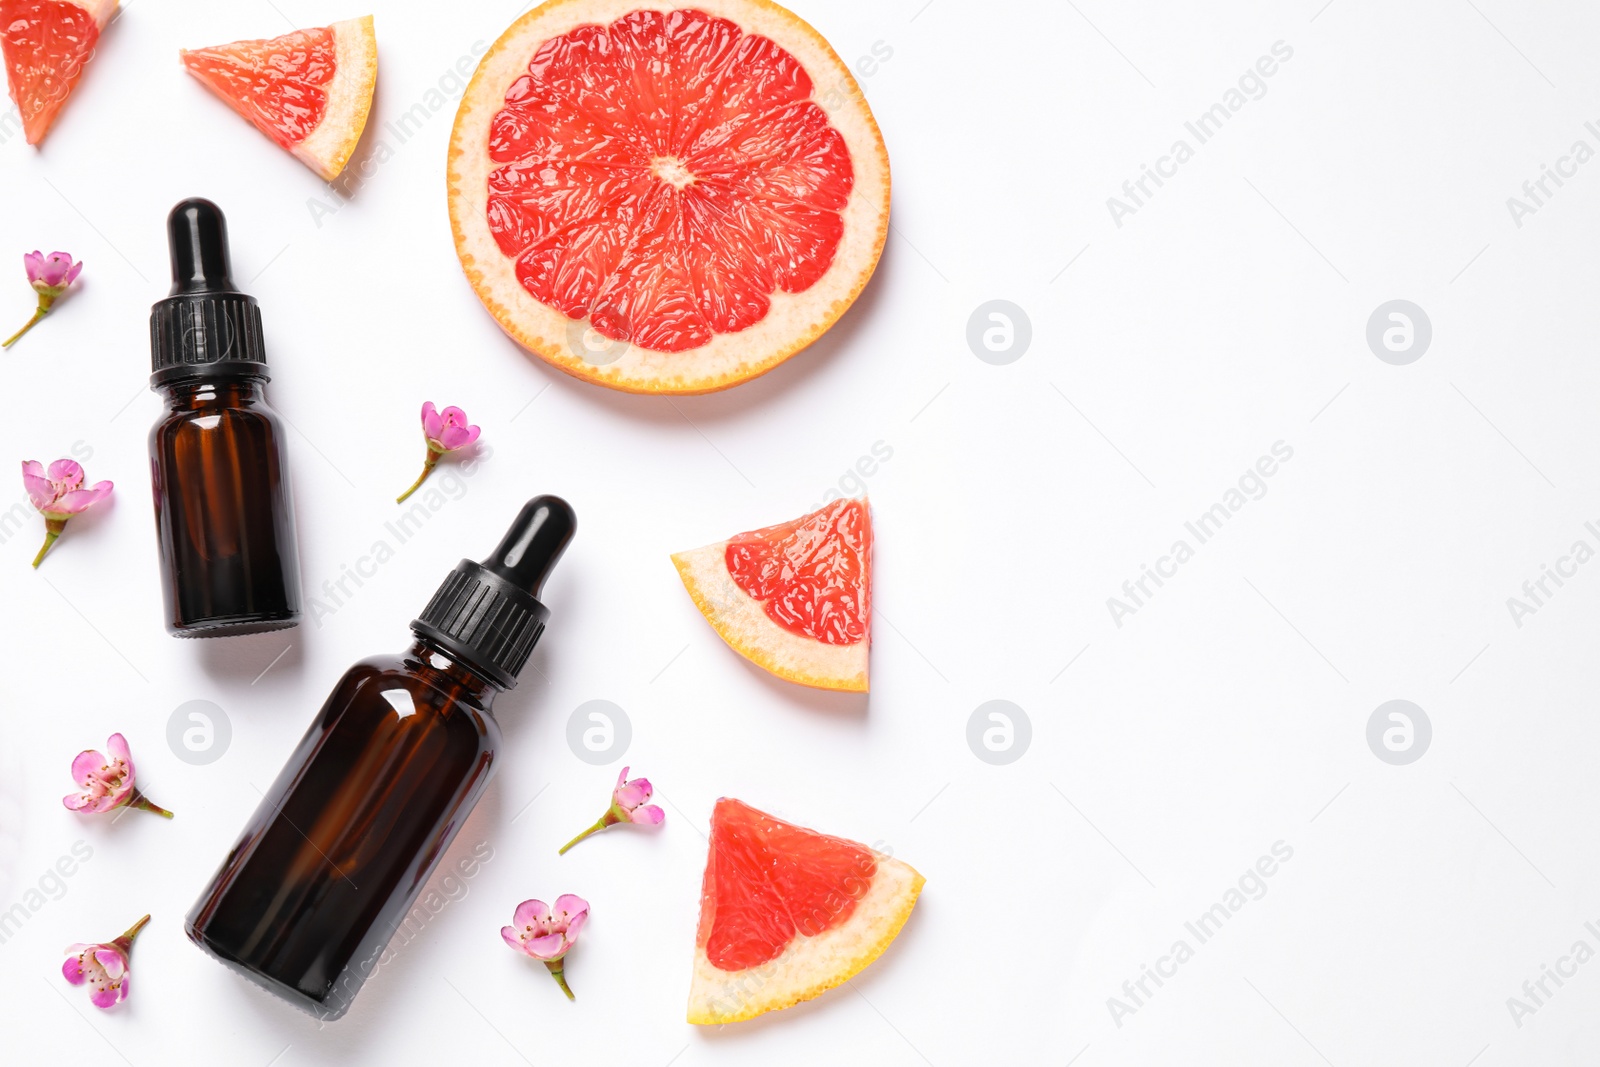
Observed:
{"x":649,"y":815}
{"x":548,"y":947}
{"x":72,"y":967}
{"x":575,"y":924}
{"x":455,"y":438}
{"x":33,"y":263}
{"x":531,"y":913}
{"x":509,"y":935}
{"x":117,"y":745}
{"x":432,"y":424}
{"x":66,"y":473}
{"x":107,"y":996}
{"x":571,"y":904}
{"x":79,"y":500}
{"x":40,"y":491}
{"x":112,"y":959}
{"x":86,"y":768}
{"x":631,"y":794}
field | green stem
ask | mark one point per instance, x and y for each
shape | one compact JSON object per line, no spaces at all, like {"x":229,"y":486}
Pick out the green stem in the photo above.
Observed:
{"x":599,"y":824}
{"x":125,"y":942}
{"x":557,"y":971}
{"x":38,"y":314}
{"x":143,"y":803}
{"x":427,"y":468}
{"x":52,"y":530}
{"x":49,"y":539}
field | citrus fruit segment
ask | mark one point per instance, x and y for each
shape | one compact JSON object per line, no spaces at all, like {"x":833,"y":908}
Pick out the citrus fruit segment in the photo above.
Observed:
{"x":656,"y":198}
{"x":787,"y":913}
{"x":309,"y":90}
{"x":795,"y":598}
{"x":45,"y":44}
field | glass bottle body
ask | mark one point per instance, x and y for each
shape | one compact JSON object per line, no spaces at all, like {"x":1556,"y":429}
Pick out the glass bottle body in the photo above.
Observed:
{"x":346,"y":838}
{"x":224,"y":517}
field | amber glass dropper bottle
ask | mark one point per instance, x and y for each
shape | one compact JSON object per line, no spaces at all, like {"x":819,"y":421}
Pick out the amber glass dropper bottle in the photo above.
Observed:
{"x":218,"y":465}
{"x":342,"y":844}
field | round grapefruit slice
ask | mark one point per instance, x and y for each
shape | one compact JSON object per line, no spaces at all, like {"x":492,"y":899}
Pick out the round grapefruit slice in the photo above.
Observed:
{"x":45,"y":44}
{"x":653,"y":197}
{"x":309,"y":90}
{"x":795,"y":598}
{"x":787,"y":913}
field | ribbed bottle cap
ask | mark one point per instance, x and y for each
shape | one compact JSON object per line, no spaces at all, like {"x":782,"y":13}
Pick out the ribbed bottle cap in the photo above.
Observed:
{"x":205,"y":327}
{"x":488,"y":614}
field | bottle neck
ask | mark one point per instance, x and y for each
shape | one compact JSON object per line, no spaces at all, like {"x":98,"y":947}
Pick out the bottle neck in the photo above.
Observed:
{"x":436,"y":666}
{"x":193,"y":393}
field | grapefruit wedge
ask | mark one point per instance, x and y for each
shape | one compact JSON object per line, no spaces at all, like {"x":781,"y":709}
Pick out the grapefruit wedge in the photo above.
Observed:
{"x":787,"y":913}
{"x":309,"y":90}
{"x":45,"y":44}
{"x":663,"y":198}
{"x":795,"y":598}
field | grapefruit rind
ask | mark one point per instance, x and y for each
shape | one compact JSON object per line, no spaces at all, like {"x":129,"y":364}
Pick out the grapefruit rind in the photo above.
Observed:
{"x":328,"y":148}
{"x":794,"y":320}
{"x":809,"y":966}
{"x":742,"y":622}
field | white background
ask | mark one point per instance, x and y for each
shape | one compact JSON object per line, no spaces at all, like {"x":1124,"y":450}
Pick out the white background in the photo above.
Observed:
{"x":1167,"y":354}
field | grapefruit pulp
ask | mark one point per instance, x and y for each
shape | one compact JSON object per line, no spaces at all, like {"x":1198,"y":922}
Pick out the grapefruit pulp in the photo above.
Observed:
{"x":309,"y":90}
{"x":654,"y":197}
{"x":795,"y":598}
{"x":787,"y":913}
{"x":45,"y":44}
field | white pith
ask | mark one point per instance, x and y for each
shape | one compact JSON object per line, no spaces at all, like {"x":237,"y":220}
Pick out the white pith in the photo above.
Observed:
{"x":327,"y":148}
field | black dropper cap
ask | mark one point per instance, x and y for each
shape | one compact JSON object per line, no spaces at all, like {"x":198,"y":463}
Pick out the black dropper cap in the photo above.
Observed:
{"x":205,"y":328}
{"x":488,"y":614}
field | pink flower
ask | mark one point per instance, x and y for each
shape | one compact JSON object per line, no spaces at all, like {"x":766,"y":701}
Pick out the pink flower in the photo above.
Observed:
{"x":548,"y":935}
{"x":107,"y":782}
{"x":59,"y":495}
{"x":629,"y":799}
{"x":103,"y":966}
{"x":50,"y":276}
{"x":446,"y":431}
{"x":627,"y":805}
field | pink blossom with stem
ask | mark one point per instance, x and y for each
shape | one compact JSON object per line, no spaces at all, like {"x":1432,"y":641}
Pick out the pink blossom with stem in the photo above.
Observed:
{"x":446,"y":431}
{"x":627,"y":805}
{"x":548,"y":934}
{"x":50,"y":276}
{"x":103,"y":967}
{"x":107,"y":781}
{"x":59,"y":494}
